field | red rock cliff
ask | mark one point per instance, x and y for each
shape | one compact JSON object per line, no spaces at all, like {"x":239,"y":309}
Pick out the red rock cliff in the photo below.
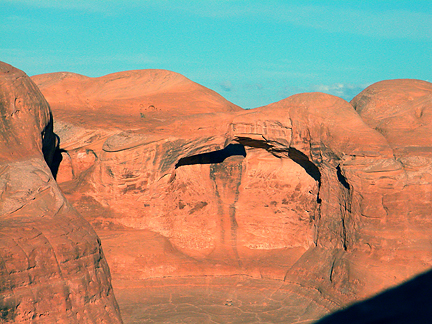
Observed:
{"x":52,"y":268}
{"x":305,"y":190}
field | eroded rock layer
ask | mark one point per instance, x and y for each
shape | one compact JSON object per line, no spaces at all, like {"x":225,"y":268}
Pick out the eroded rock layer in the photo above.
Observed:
{"x":307,"y":191}
{"x":52,"y":268}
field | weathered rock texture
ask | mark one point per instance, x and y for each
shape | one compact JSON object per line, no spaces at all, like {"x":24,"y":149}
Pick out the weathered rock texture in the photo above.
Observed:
{"x":308,"y":191}
{"x":117,"y":97}
{"x":52,"y":268}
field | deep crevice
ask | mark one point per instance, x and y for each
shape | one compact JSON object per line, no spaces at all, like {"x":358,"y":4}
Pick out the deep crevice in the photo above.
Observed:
{"x":341,"y":178}
{"x":347,"y":205}
{"x":50,"y":142}
{"x":213,"y":157}
{"x":52,"y":152}
{"x":51,"y":147}
{"x":57,"y":159}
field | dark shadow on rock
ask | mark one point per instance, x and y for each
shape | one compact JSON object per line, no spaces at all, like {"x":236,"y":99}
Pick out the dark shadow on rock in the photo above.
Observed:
{"x":409,"y":302}
{"x":57,"y":159}
{"x":246,"y":141}
{"x":310,"y":168}
{"x":213,"y":157}
{"x":341,"y":178}
{"x":50,"y":141}
{"x":305,"y":163}
{"x":51,"y":148}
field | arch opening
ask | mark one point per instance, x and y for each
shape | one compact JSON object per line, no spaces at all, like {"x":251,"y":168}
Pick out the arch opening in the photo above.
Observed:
{"x":213,"y":157}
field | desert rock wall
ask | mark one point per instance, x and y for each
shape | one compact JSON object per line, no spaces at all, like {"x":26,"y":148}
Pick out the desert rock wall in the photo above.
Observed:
{"x":329,"y":197}
{"x":52,"y":267}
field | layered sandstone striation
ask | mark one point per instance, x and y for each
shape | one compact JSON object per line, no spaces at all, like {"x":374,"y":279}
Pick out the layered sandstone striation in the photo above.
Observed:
{"x":400,"y":111}
{"x":52,"y":268}
{"x":317,"y":194}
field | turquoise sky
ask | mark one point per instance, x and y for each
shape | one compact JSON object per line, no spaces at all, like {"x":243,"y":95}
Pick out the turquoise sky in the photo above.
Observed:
{"x":251,"y":52}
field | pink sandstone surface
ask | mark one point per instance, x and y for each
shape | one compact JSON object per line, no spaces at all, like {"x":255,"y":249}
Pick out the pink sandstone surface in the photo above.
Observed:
{"x":211,"y":213}
{"x":52,"y":268}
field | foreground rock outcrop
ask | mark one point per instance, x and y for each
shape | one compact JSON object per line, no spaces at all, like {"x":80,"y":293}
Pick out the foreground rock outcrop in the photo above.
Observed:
{"x":312,"y":195}
{"x":52,"y":268}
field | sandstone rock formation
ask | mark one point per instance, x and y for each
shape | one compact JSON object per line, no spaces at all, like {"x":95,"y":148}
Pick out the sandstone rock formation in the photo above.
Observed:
{"x":120,"y":96}
{"x":317,"y":200}
{"x":52,"y":268}
{"x":401,"y":111}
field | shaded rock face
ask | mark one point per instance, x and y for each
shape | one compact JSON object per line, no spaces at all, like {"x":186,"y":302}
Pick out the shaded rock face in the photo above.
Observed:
{"x":52,"y":268}
{"x":307,"y":190}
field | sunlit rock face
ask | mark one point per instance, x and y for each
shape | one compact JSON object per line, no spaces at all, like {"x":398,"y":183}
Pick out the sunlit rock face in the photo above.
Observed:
{"x":307,"y":190}
{"x":52,"y":268}
{"x":400,"y":110}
